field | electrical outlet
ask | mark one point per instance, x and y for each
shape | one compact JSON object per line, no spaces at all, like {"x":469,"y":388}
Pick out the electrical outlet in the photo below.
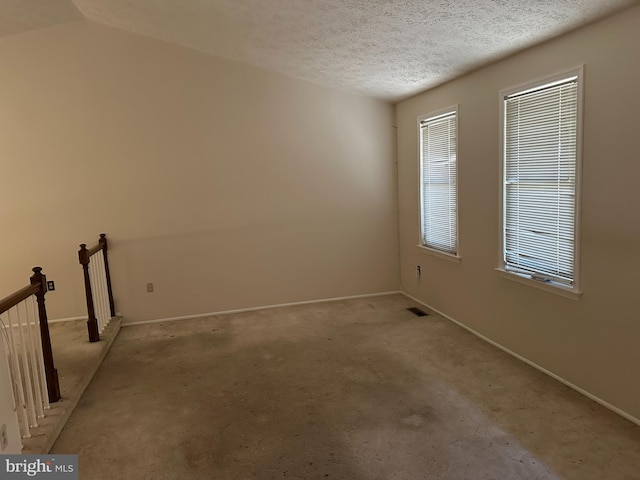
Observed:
{"x":149,"y":287}
{"x":51,"y":286}
{"x":4,"y":437}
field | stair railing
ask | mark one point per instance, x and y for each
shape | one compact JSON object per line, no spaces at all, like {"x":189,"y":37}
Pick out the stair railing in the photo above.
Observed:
{"x":97,"y":286}
{"x":25,"y":328}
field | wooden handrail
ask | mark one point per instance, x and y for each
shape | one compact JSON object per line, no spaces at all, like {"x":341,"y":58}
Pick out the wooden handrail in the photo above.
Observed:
{"x":14,"y":299}
{"x":84,"y":257}
{"x":38,"y":287}
{"x":93,"y":250}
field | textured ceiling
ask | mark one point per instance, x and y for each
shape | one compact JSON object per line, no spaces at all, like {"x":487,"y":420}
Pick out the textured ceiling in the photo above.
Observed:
{"x":388,"y":49}
{"x":22,"y":15}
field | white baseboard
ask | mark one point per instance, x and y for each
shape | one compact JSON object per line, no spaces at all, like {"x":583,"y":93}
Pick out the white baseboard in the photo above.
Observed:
{"x":602,"y":402}
{"x":62,"y":320}
{"x":252,"y":309}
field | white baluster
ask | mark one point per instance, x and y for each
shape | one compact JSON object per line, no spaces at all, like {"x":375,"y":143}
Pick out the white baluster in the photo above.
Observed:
{"x":5,"y":329}
{"x":17,"y":380}
{"x":26,"y":370}
{"x":103,"y":290}
{"x":32,"y":323}
{"x":94,"y":293}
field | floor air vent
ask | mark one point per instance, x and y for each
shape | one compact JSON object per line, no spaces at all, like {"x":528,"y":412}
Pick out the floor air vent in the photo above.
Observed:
{"x":416,"y":311}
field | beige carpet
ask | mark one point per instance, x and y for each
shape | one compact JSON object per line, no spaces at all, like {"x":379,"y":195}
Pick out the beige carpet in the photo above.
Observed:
{"x":358,"y":389}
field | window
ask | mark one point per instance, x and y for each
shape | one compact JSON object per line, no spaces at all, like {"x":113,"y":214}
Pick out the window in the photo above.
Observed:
{"x":540,"y":171}
{"x":438,"y":183}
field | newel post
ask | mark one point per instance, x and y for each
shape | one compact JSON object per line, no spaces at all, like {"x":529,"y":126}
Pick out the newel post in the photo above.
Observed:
{"x":53,"y":386}
{"x":92,"y":321}
{"x":103,"y":242}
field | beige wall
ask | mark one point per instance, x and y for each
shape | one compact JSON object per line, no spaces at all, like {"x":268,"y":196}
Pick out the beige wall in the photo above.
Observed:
{"x":592,"y":342}
{"x":224,"y":185}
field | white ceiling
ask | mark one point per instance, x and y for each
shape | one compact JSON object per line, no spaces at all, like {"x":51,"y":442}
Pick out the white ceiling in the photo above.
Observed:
{"x":387,"y":49}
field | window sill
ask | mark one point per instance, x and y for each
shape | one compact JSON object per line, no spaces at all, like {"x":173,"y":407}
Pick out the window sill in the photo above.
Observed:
{"x":437,"y":253}
{"x":556,"y":289}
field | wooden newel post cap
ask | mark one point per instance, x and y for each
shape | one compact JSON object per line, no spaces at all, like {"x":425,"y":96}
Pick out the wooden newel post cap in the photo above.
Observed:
{"x":103,"y":240}
{"x":83,"y":254}
{"x":39,"y":278}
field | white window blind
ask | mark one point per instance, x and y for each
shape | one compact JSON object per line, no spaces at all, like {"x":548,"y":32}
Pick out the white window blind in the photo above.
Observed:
{"x":540,"y":138}
{"x":438,"y":152}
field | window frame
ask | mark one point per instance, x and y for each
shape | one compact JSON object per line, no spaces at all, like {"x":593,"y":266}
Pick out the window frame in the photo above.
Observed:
{"x":453,"y":109}
{"x":569,"y":291}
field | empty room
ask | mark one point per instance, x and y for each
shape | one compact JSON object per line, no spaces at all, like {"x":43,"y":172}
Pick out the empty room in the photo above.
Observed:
{"x":320,"y":239}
